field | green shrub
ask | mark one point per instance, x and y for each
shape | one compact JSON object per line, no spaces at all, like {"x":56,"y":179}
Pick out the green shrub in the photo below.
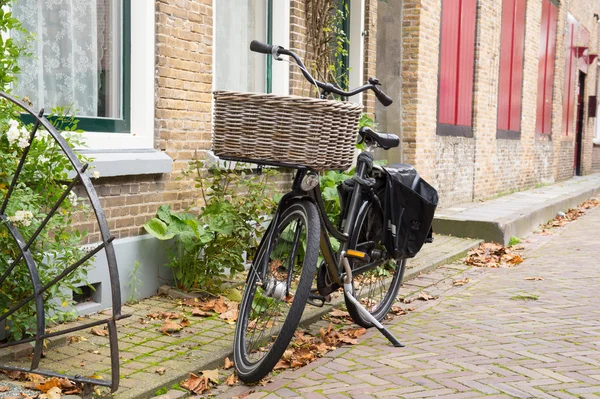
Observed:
{"x":204,"y":249}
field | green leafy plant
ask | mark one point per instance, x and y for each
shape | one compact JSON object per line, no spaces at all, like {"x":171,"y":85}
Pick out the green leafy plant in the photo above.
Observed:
{"x":134,"y":282}
{"x":41,"y":183}
{"x":514,"y":241}
{"x":205,"y":249}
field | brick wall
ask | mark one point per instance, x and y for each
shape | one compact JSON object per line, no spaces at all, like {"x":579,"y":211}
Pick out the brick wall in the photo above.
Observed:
{"x":596,"y":159}
{"x":183,"y":86}
{"x":466,"y":169}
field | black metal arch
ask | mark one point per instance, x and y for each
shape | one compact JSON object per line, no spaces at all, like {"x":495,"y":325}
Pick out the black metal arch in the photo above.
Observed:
{"x":81,"y":178}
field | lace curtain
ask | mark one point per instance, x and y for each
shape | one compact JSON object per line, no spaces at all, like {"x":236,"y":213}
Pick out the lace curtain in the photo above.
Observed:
{"x":71,"y":55}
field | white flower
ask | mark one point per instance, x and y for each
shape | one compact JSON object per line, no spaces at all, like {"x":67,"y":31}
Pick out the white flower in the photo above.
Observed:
{"x":23,"y":142}
{"x":73,"y":198}
{"x":22,"y":217}
{"x":95,"y":174}
{"x":17,"y":134}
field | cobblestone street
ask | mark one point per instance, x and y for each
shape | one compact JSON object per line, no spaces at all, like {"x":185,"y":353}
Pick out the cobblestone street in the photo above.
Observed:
{"x":503,"y":334}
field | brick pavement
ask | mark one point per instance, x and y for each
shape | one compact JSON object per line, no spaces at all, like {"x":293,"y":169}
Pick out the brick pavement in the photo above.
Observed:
{"x":203,"y":345}
{"x":488,"y":338}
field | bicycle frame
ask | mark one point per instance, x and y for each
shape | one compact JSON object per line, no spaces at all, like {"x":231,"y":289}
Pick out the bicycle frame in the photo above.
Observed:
{"x":332,"y":259}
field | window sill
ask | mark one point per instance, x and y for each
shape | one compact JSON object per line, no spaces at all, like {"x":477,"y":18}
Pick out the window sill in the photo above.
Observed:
{"x":112,"y":163}
{"x":596,"y":142}
{"x":508,"y":134}
{"x":454,"y":130}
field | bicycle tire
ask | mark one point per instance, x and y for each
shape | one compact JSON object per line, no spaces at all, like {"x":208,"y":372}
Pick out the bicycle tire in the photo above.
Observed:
{"x":383,"y":281}
{"x":250,"y":365}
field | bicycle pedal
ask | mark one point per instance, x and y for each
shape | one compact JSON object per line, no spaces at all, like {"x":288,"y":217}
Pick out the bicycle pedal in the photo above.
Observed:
{"x":315,"y":296}
{"x":351,"y":253}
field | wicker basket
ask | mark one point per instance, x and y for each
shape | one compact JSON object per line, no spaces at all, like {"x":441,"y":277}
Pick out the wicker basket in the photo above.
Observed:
{"x":285,"y":130}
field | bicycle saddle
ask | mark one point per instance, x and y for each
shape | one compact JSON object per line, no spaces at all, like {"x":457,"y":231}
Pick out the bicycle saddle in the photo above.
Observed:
{"x":383,"y":140}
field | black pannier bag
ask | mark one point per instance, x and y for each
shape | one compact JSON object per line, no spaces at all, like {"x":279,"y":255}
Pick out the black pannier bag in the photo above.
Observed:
{"x":409,"y":206}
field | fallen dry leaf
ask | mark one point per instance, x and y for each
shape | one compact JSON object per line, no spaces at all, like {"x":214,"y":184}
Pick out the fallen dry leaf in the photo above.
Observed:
{"x":4,"y":388}
{"x":72,"y":339}
{"x":160,"y":371}
{"x":338,"y":313}
{"x":201,"y":313}
{"x":397,"y":310}
{"x":53,"y":393}
{"x":212,"y":375}
{"x":184,"y":322}
{"x":536,"y":278}
{"x":230,"y":315}
{"x":492,"y":255}
{"x":16,"y":375}
{"x":461,"y":282}
{"x":231,"y":380}
{"x":423,"y":296}
{"x":99,"y":332}
{"x":170,"y":327}
{"x":196,"y":384}
{"x":169,"y":315}
{"x":228,"y":364}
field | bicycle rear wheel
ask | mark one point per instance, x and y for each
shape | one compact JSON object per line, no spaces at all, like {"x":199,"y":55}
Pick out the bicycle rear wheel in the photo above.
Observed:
{"x":276,"y":292}
{"x":376,"y":287}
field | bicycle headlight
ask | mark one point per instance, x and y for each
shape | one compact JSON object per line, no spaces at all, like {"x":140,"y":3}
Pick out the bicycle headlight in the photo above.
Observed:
{"x":310,"y":181}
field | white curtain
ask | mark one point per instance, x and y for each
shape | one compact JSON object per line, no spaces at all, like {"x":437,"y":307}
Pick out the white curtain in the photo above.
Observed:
{"x":237,"y":23}
{"x":64,"y":69}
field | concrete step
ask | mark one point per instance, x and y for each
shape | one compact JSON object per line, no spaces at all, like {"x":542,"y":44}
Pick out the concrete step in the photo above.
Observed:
{"x":517,"y":214}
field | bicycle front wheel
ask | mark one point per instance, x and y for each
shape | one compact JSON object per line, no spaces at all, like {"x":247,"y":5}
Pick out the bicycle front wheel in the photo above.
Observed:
{"x":375,"y":287}
{"x":276,"y":292}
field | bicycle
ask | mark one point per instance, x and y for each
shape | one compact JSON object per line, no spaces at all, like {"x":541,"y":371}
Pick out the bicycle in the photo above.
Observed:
{"x":279,"y":281}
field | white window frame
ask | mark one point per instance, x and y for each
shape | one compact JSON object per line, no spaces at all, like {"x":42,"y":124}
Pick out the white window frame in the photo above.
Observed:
{"x":141,"y":134}
{"x":596,"y":138}
{"x":357,"y":48}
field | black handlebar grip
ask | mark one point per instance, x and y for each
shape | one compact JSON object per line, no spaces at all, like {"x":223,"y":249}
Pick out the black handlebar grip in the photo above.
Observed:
{"x":260,"y":47}
{"x":382,"y":97}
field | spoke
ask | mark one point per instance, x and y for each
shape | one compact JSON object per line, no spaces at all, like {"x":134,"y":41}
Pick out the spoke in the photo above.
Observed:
{"x":76,"y":180}
{"x":56,"y":279}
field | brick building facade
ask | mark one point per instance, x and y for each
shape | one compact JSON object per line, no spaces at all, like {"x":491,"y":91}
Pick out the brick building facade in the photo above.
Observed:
{"x":485,"y":164}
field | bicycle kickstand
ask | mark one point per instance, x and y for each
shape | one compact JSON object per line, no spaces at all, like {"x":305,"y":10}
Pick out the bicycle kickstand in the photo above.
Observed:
{"x":348,"y":290}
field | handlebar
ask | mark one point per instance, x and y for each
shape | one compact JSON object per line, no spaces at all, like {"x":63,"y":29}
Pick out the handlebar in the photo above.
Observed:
{"x":327,"y":88}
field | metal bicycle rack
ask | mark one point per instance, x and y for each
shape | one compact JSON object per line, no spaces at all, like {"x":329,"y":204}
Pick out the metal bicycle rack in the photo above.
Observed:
{"x":25,"y":258}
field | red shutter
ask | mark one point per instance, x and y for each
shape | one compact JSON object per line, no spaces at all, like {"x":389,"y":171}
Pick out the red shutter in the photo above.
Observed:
{"x":541,"y":98}
{"x":516,"y":95}
{"x":448,"y":62}
{"x":456,"y":62}
{"x":550,"y":69}
{"x":511,"y":65}
{"x":546,"y":67}
{"x":466,"y":63}
{"x":570,"y":68}
{"x":508,"y":7}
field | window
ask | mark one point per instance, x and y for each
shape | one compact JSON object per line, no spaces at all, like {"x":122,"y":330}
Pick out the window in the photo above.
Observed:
{"x":546,"y":67}
{"x":511,"y":69}
{"x":118,"y":110}
{"x":570,"y":71}
{"x":237,"y":23}
{"x":80,"y":59}
{"x":455,"y":99}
